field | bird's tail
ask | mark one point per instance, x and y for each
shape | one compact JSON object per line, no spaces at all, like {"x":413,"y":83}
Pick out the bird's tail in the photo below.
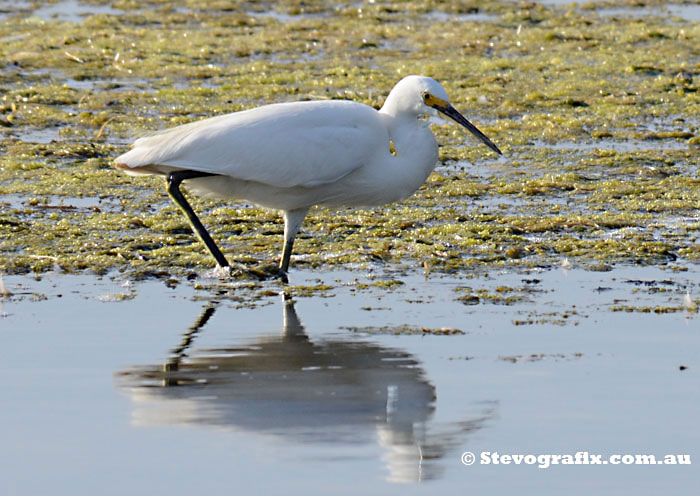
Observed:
{"x":142,"y":170}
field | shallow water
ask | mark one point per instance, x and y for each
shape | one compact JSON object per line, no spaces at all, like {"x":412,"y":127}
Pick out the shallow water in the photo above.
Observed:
{"x":375,"y":379}
{"x":687,"y":12}
{"x":139,"y":388}
{"x":66,"y":10}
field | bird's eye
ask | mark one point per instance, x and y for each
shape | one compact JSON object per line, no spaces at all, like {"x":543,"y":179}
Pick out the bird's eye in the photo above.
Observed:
{"x":426,"y":96}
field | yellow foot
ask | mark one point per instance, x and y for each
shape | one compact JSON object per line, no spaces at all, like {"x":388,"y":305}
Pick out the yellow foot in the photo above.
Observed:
{"x":261,"y":272}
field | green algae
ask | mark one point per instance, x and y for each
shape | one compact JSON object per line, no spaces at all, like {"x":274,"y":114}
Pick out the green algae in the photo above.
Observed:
{"x":502,"y":295}
{"x":537,"y":357}
{"x":406,"y":330}
{"x":597,"y":116}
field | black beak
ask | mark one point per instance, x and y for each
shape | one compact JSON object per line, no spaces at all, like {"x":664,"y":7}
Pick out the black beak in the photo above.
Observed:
{"x":454,"y":114}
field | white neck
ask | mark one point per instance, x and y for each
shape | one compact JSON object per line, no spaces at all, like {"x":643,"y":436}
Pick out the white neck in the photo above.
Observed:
{"x":416,"y":150}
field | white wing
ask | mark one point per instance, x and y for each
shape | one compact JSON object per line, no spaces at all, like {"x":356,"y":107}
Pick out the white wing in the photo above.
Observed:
{"x":283,"y":145}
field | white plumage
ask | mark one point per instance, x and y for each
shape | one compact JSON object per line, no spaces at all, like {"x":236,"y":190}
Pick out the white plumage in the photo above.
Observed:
{"x":291,"y":156}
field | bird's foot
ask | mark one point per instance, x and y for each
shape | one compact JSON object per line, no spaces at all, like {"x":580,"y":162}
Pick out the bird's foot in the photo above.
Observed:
{"x":271,"y":271}
{"x":262,"y":272}
{"x":222,"y":272}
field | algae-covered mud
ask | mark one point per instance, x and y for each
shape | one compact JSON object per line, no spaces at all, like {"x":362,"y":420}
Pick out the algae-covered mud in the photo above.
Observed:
{"x":595,"y":106}
{"x":544,"y":302}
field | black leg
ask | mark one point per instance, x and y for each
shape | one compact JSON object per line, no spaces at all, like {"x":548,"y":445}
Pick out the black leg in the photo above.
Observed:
{"x":174,"y":179}
{"x":292,"y":223}
{"x":286,"y":255}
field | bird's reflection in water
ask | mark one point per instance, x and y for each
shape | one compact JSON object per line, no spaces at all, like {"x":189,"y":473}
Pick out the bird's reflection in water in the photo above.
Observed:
{"x":332,"y":391}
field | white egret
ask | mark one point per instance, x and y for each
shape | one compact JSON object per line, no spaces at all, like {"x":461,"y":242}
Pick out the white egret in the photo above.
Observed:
{"x":292,"y":156}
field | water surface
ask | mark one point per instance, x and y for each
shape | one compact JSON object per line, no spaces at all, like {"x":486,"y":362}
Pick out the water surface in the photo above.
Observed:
{"x":137,"y":387}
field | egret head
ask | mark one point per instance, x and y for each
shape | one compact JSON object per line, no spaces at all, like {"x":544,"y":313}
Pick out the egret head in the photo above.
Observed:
{"x":419,"y":94}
